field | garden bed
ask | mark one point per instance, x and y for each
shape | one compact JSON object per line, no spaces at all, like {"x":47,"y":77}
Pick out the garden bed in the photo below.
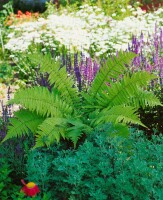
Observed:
{"x":82,"y":102}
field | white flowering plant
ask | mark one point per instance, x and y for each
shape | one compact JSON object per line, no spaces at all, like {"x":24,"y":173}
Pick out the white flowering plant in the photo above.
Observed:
{"x":87,"y":30}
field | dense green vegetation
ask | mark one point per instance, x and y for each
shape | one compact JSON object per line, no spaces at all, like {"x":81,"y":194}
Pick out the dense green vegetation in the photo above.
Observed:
{"x":88,"y":119}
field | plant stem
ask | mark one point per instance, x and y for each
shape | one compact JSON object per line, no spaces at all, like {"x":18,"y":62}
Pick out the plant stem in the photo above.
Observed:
{"x":1,"y":40}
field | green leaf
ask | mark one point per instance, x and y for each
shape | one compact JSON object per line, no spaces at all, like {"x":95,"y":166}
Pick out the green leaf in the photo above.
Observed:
{"x":58,"y":77}
{"x":39,"y":99}
{"x":50,"y":131}
{"x":22,"y":122}
{"x":111,"y":70}
{"x":117,"y":114}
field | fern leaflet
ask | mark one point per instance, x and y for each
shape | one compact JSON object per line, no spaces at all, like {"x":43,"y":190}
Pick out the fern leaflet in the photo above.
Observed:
{"x":117,"y":114}
{"x":22,"y":123}
{"x":111,"y":70}
{"x":39,"y":99}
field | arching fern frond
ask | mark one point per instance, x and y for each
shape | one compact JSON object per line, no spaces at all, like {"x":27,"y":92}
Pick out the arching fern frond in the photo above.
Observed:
{"x":144,"y":99}
{"x":39,"y":99}
{"x":110,"y":70}
{"x":76,"y":129}
{"x":128,"y":92}
{"x":113,"y":130}
{"x":50,"y":131}
{"x":58,"y":76}
{"x":22,"y":122}
{"x":118,"y":114}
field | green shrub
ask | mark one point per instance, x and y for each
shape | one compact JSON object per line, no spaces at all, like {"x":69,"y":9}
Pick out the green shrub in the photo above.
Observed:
{"x":103,"y":168}
{"x":15,"y":154}
{"x":7,"y":186}
{"x":6,"y":73}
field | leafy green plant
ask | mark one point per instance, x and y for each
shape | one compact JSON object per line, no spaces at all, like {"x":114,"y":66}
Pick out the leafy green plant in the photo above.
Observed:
{"x":15,"y":153}
{"x":6,"y":185}
{"x":102,"y":165}
{"x":6,"y":11}
{"x":6,"y":72}
{"x":69,"y":114}
{"x":21,"y":196}
{"x":109,"y":7}
{"x":38,"y":171}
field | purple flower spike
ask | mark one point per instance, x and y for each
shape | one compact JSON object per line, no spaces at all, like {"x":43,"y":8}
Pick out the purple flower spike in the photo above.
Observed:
{"x":161,"y":72}
{"x":95,"y":68}
{"x":129,"y":48}
{"x":161,"y":38}
{"x":77,"y":72}
{"x":68,"y":64}
{"x":141,"y":38}
{"x":78,"y":78}
{"x":75,"y":60}
{"x":148,"y":68}
{"x":89,"y":70}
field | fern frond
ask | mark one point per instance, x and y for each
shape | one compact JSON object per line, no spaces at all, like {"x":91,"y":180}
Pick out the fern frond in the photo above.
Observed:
{"x":111,"y":70}
{"x":76,"y":129}
{"x":59,"y":77}
{"x":129,"y":90}
{"x":22,"y":122}
{"x":118,"y":114}
{"x":50,"y":131}
{"x":113,"y":130}
{"x":144,"y":99}
{"x":39,"y":99}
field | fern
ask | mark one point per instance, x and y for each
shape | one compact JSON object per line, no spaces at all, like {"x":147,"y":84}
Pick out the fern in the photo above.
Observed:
{"x":50,"y":131}
{"x":111,"y":70}
{"x":118,"y":114}
{"x":144,"y":99}
{"x":22,"y":122}
{"x":69,"y":113}
{"x":113,"y":130}
{"x":76,"y":129}
{"x":39,"y":99}
{"x":129,"y":90}
{"x":58,"y":76}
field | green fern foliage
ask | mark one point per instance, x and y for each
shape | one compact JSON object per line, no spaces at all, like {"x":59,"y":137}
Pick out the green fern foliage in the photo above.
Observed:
{"x":114,"y":97}
{"x":118,"y":114}
{"x":113,"y":130}
{"x":23,"y":122}
{"x":76,"y":129}
{"x":39,"y":99}
{"x":53,"y":129}
{"x":144,"y":99}
{"x":50,"y":131}
{"x":129,"y":91}
{"x":57,"y":76}
{"x":111,"y":70}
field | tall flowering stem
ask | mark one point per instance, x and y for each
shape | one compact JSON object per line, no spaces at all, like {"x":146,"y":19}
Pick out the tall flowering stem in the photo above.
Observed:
{"x":6,"y":114}
{"x":149,"y":54}
{"x":82,"y":68}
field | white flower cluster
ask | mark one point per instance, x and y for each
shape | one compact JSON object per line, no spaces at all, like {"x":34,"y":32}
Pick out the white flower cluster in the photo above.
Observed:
{"x":84,"y":29}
